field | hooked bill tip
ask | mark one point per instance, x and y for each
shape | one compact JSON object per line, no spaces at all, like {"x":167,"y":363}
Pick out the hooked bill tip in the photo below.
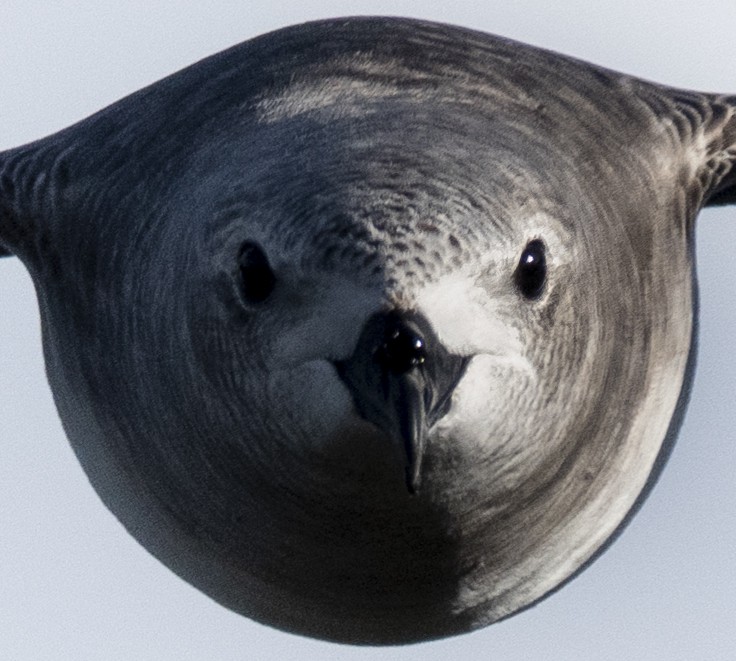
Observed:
{"x":412,"y":479}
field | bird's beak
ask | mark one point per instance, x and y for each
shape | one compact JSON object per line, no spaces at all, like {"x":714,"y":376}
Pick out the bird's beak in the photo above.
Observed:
{"x":401,"y":379}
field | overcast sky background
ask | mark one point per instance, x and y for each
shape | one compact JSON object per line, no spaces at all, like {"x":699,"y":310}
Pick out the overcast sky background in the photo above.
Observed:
{"x":75,"y":585}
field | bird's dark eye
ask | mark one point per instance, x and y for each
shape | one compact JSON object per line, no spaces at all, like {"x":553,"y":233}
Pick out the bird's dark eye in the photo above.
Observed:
{"x":257,"y":280}
{"x":531,"y":273}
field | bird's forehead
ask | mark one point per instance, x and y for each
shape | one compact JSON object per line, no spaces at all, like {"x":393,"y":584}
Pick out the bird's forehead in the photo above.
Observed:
{"x":381,"y":163}
{"x":411,"y":184}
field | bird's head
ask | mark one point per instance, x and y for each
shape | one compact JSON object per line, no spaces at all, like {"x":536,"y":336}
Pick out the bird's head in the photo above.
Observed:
{"x":374,"y":340}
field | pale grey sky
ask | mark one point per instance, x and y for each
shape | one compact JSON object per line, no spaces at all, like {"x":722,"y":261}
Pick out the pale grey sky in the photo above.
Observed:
{"x":75,"y":585}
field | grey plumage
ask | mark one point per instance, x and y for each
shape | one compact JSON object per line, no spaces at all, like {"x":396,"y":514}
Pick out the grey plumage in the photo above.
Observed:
{"x":382,"y":165}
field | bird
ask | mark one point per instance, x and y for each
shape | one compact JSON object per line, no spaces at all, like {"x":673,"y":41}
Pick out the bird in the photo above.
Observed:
{"x":373,"y":329}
